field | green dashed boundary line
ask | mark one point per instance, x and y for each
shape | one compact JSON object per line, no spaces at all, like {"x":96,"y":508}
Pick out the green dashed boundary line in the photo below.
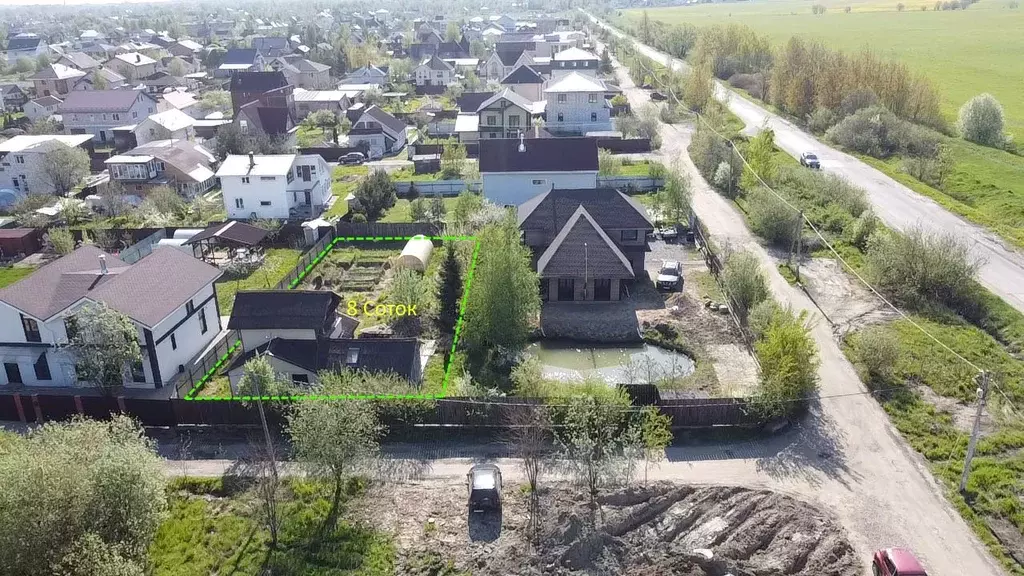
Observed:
{"x":298,"y":280}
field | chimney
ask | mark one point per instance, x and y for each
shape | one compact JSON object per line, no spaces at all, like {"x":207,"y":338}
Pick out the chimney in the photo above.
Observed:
{"x":138,"y":58}
{"x":103,"y":263}
{"x":252,"y":161}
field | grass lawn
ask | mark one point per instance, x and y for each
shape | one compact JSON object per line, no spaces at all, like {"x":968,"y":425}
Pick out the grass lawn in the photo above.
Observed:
{"x":400,"y":211}
{"x":344,"y":181}
{"x":11,"y":274}
{"x":279,"y":262}
{"x":965,"y":52}
{"x":310,"y":136}
{"x":214,"y":528}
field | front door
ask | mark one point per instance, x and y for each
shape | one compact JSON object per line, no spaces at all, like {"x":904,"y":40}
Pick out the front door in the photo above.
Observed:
{"x":305,"y":195}
{"x":602,"y":290}
{"x":566,"y":290}
{"x":13,"y":373}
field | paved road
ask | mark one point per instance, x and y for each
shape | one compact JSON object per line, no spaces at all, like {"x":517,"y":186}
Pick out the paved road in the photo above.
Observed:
{"x":1002,"y":270}
{"x":848,"y":457}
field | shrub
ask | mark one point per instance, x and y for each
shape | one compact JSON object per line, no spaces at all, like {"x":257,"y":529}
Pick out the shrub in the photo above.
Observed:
{"x":770,"y":218}
{"x":744,"y":282}
{"x":761,"y":316}
{"x":413,"y":192}
{"x":861,"y":230}
{"x":708,"y":151}
{"x":359,"y":218}
{"x":619,"y":100}
{"x":857,"y":100}
{"x":418,"y":210}
{"x":877,"y":132}
{"x":656,"y":170}
{"x":375,"y":194}
{"x":878,"y":349}
{"x":789,"y":365}
{"x":981,"y":121}
{"x":725,"y":180}
{"x":62,"y":240}
{"x":753,"y":83}
{"x":821,"y":120}
{"x":607,"y":163}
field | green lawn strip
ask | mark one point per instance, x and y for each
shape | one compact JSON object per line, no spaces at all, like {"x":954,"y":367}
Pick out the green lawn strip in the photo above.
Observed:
{"x":400,"y":211}
{"x":11,"y":274}
{"x":278,"y":263}
{"x":211,"y":529}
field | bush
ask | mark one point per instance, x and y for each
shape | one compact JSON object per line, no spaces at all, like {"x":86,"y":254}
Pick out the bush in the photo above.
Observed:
{"x":708,"y":151}
{"x":753,"y":83}
{"x":789,"y":365}
{"x":821,"y":120}
{"x":656,"y":170}
{"x":725,"y":180}
{"x":359,"y":218}
{"x":879,"y":133}
{"x":878,"y":349}
{"x":919,"y":267}
{"x":744,"y":282}
{"x":981,"y":121}
{"x":761,"y":317}
{"x":861,"y":230}
{"x":608,"y":164}
{"x":62,"y":240}
{"x":770,"y":218}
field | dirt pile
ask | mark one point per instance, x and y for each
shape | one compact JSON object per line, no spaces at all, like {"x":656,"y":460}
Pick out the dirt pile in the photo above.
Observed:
{"x":664,"y":529}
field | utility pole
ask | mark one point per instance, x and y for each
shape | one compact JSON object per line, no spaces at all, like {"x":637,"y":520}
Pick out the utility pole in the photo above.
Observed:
{"x":983,"y":382}
{"x":799,"y":242}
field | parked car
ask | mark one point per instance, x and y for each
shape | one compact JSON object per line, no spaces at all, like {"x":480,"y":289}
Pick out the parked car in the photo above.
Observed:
{"x":809,"y":160}
{"x":671,"y":276}
{"x":353,"y":158}
{"x":484,"y":488}
{"x":896,"y":562}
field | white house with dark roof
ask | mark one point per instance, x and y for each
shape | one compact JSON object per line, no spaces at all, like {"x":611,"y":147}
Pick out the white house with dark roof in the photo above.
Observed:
{"x":505,"y":115}
{"x":279,"y":186}
{"x":37,"y":313}
{"x":22,"y":160}
{"x":55,"y":80}
{"x":574,"y":60}
{"x":526,"y":82}
{"x":379,"y":131}
{"x":132,"y":65}
{"x":514,"y":170}
{"x":25,"y":45}
{"x":576,"y":104}
{"x":42,"y":108}
{"x":433,"y":72}
{"x":97,"y":112}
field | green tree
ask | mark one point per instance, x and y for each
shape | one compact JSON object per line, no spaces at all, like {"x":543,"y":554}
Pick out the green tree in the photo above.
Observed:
{"x":322,"y":119}
{"x":605,"y":65}
{"x":466,"y":205}
{"x":607,"y":163}
{"x":24,"y":65}
{"x":215,"y":101}
{"x":744,"y":282}
{"x":62,"y":240}
{"x":981,"y":121}
{"x":761,"y":157}
{"x":104,"y":344}
{"x":376,"y":194}
{"x":675,"y":198}
{"x":453,"y":156}
{"x":83,"y":497}
{"x":505,"y":300}
{"x":333,"y":440}
{"x":591,"y":437}
{"x":409,"y":288}
{"x":63,"y":168}
{"x":214,"y":57}
{"x":656,"y":434}
{"x":699,"y":86}
{"x":449,"y":294}
{"x":177,"y":68}
{"x":789,"y":366}
{"x":99,"y":81}
{"x":259,"y":379}
{"x":452,"y":33}
{"x":436,"y":209}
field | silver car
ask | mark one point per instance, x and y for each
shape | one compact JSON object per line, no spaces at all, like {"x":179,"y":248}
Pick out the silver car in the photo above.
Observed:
{"x":670,"y":277}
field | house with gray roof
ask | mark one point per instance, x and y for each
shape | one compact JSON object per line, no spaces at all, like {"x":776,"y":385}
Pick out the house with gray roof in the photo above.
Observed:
{"x":26,"y":45}
{"x":98,"y":112}
{"x":588,"y":245}
{"x":526,"y":82}
{"x":379,"y":131}
{"x":79,"y":60}
{"x":55,"y":80}
{"x":433,"y":72}
{"x":168,"y":295}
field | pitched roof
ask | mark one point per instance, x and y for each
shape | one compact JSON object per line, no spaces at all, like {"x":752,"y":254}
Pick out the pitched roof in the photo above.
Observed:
{"x":189,"y":45}
{"x":576,"y":82}
{"x":186,"y":156}
{"x":169,"y":273}
{"x":28,"y":141}
{"x":57,"y":72}
{"x":135,"y":59}
{"x":283,"y":309}
{"x":180,"y":100}
{"x":541,"y":155}
{"x":574,"y":54}
{"x":268,"y":119}
{"x":608,"y":207}
{"x":171,"y":120}
{"x":582,"y":249}
{"x":523,"y":74}
{"x":258,"y":81}
{"x":382,"y":117}
{"x":47,"y":101}
{"x":81,"y":60}
{"x":23,"y":43}
{"x":507,"y":94}
{"x":435,"y":63}
{"x":380,"y":355}
{"x":240,"y":56}
{"x":101,"y":100}
{"x":233,"y":231}
{"x":509,"y":57}
{"x":258,"y":165}
{"x":470,"y":101}
{"x":305,"y":65}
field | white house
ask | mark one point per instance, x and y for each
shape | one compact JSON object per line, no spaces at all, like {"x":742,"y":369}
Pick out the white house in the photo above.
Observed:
{"x":133,"y":65}
{"x":504,"y":115}
{"x":517,"y":169}
{"x":278,"y":186}
{"x":576,"y":105}
{"x":42,"y":108}
{"x":574,"y":60}
{"x":22,"y":161}
{"x":168,"y":295}
{"x":168,"y":125}
{"x":97,"y":112}
{"x":366,"y":75}
{"x":381,"y":132}
{"x":433,"y":72}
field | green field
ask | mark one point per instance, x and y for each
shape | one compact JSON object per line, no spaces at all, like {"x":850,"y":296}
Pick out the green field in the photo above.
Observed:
{"x":963,"y":52}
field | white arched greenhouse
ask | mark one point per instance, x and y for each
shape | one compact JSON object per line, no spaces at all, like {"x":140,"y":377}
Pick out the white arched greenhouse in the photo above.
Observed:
{"x":416,"y":254}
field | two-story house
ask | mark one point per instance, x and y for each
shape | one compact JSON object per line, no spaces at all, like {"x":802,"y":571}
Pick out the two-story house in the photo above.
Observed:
{"x":433,"y":72}
{"x":368,"y":74}
{"x":42,"y":108}
{"x":501,"y":63}
{"x":132,"y":65}
{"x":514,"y":170}
{"x":13,"y":97}
{"x":269,"y":88}
{"x":79,"y":60}
{"x":574,"y":60}
{"x":240,"y":60}
{"x":301,"y":334}
{"x":526,"y":82}
{"x":55,"y":80}
{"x":182,"y":165}
{"x":37,"y":314}
{"x":185,"y":47}
{"x":23,"y":160}
{"x":587,"y":244}
{"x":167,"y":125}
{"x":303,"y":73}
{"x":278,"y":186}
{"x":576,"y":104}
{"x":25,"y":45}
{"x":97,"y":112}
{"x":309,"y":101}
{"x":101,"y":79}
{"x":379,"y":131}
{"x":504,"y":115}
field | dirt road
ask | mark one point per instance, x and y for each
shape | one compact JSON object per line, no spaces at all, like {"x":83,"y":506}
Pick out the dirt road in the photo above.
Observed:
{"x":853,"y":460}
{"x":1002,"y":270}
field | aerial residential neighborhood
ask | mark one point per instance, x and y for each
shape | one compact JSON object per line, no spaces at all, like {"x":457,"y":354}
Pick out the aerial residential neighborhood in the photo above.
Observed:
{"x":532,"y":288}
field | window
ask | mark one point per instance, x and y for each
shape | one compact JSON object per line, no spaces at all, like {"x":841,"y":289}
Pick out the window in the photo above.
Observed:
{"x":300,"y":378}
{"x":70,"y":327}
{"x":245,"y":179}
{"x":513,"y":120}
{"x":138,"y":372}
{"x":561,"y":117}
{"x":134,"y":115}
{"x":352,"y":356}
{"x":152,"y":132}
{"x":203,"y":326}
{"x":189,"y":308}
{"x":289,"y":178}
{"x":265,"y":203}
{"x":628,"y":235}
{"x":268,"y":178}
{"x":42,"y":368}
{"x":491,"y":120}
{"x":13,"y":373}
{"x":592,"y":98}
{"x":174,"y":342}
{"x":538,"y":182}
{"x":31,"y":328}
{"x":440,"y":75}
{"x":593,"y":116}
{"x":239,"y":203}
{"x":563,"y":98}
{"x":116,"y":116}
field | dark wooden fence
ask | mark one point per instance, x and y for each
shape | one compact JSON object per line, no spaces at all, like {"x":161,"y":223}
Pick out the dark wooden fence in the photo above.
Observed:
{"x":384,"y":229}
{"x":331,"y":154}
{"x":625,"y":145}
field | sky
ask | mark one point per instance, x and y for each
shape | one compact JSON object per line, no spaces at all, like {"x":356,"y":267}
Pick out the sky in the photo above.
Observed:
{"x":71,"y":2}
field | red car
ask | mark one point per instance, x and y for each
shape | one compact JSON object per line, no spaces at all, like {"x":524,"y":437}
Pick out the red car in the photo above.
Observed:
{"x":896,"y":562}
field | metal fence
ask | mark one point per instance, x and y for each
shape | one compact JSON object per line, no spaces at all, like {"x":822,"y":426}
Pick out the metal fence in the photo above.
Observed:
{"x":306,"y":261}
{"x":144,"y":247}
{"x":442,"y":187}
{"x":207,"y":365}
{"x":631,"y":183}
{"x":385,"y":229}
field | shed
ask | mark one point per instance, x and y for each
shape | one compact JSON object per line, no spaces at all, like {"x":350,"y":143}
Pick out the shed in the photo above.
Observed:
{"x":416,"y":254}
{"x":230,"y":236}
{"x":15,"y":241}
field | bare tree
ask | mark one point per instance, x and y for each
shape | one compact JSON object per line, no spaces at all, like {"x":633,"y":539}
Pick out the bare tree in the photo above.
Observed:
{"x":530,"y":441}
{"x":63,"y":168}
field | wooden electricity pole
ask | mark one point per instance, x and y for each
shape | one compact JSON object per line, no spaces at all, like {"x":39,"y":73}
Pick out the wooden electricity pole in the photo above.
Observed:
{"x":983,"y":383}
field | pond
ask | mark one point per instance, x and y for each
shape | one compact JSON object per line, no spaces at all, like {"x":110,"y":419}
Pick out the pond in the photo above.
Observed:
{"x":636,"y":364}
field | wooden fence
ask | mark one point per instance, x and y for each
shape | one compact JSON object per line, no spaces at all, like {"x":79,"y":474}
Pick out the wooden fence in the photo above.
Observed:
{"x":210,"y":362}
{"x":385,"y":229}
